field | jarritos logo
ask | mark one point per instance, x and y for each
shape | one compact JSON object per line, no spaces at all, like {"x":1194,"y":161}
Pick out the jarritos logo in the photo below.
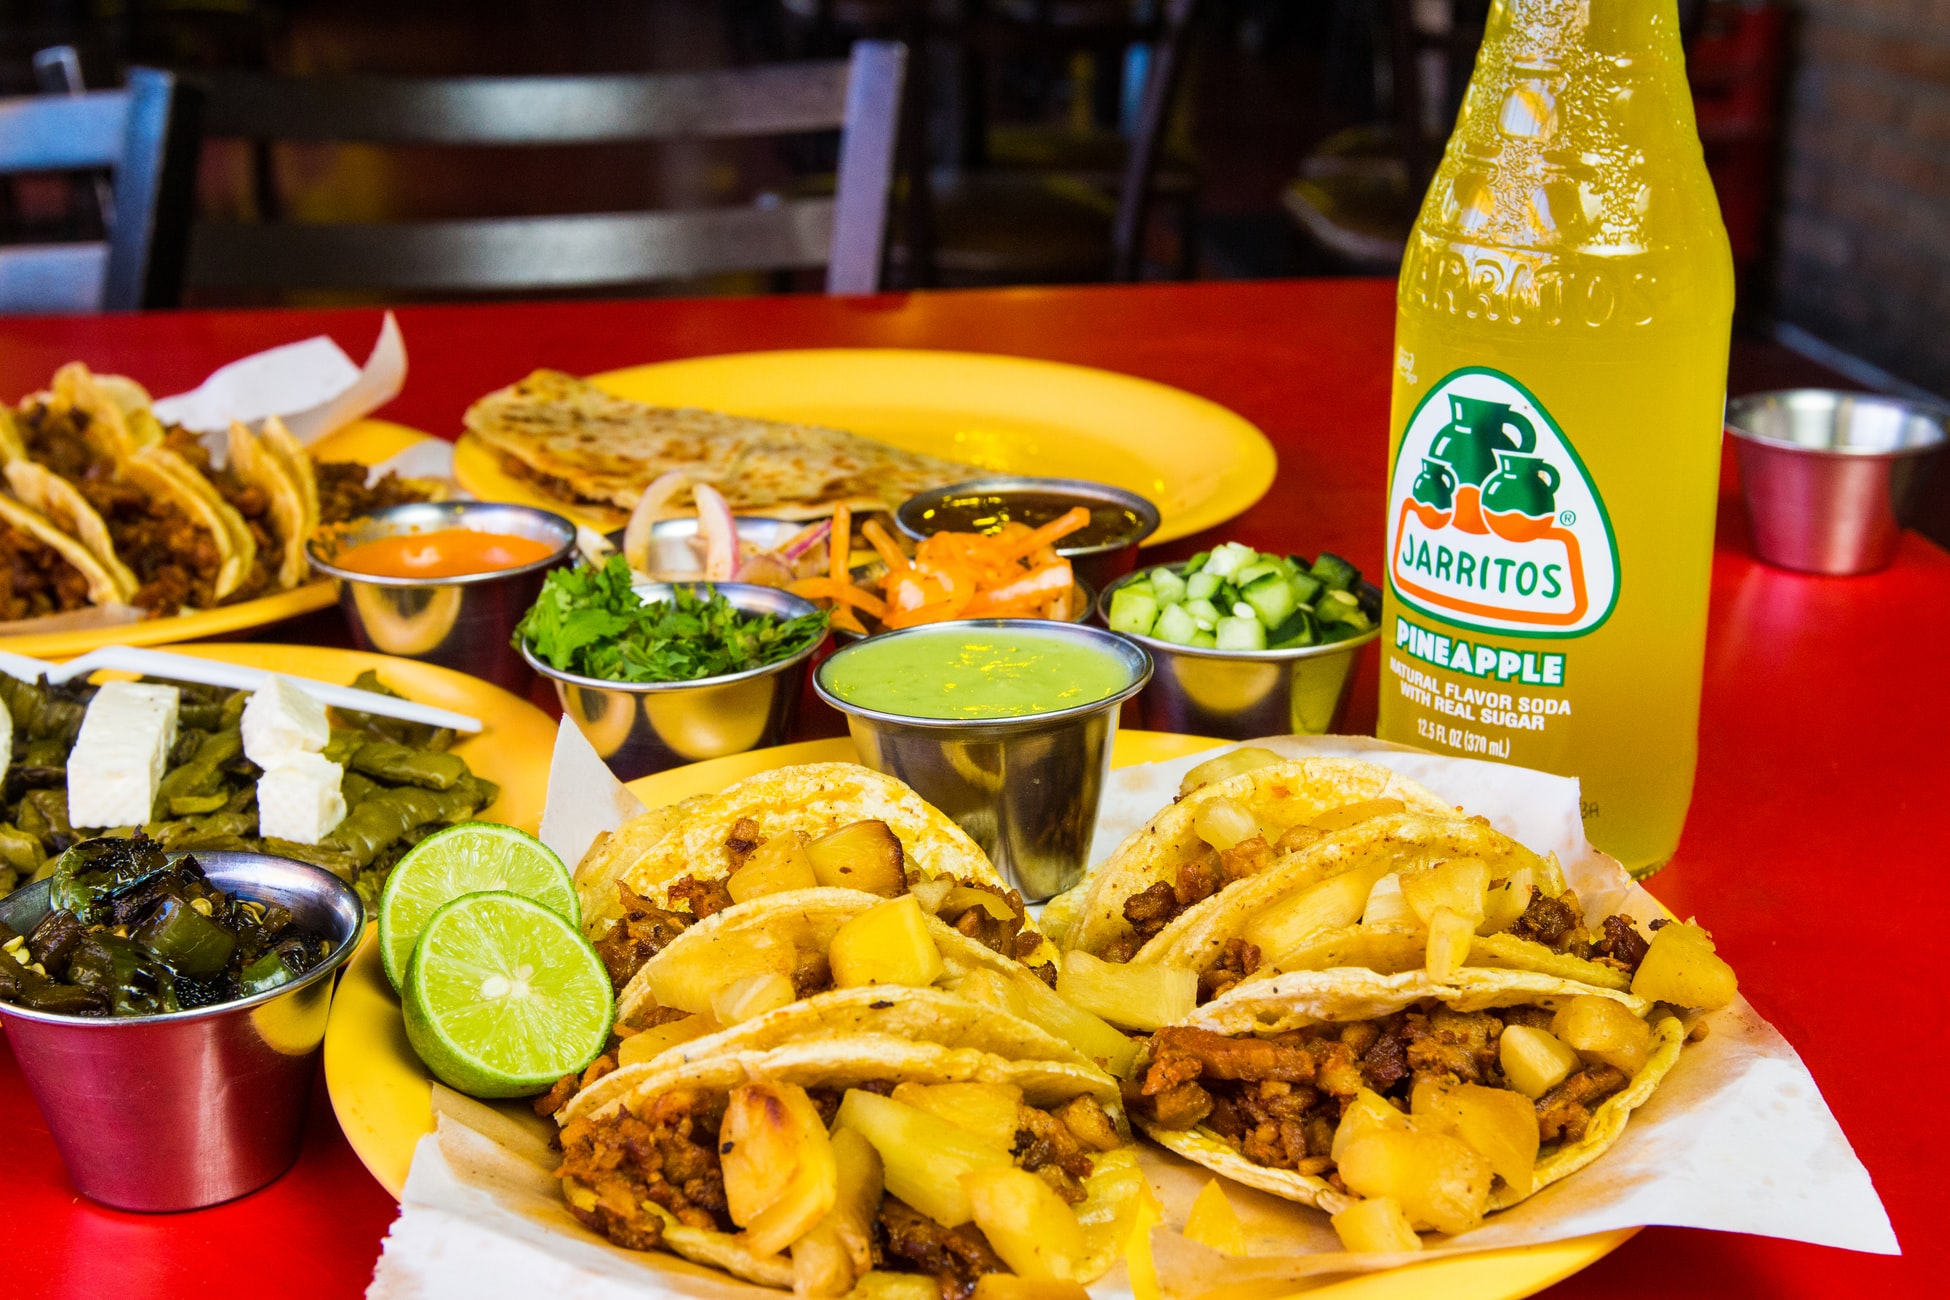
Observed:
{"x":1493,"y":523}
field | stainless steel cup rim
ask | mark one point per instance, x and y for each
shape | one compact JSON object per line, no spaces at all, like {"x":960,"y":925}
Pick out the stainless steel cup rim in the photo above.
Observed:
{"x":421,"y":512}
{"x":1371,"y":599}
{"x":327,"y":966}
{"x":1739,"y":408}
{"x":1146,"y":510}
{"x":1135,"y":657}
{"x":747,"y":597}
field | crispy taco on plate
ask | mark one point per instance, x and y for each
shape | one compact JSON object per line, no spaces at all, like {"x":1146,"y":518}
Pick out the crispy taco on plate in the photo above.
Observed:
{"x":782,"y":957}
{"x":1447,"y":1099}
{"x":688,"y":851}
{"x":1235,"y":815}
{"x":810,"y":1163}
{"x":46,"y":571}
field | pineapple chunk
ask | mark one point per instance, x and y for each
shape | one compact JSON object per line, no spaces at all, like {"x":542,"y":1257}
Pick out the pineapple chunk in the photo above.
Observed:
{"x":1007,"y":1286}
{"x":839,"y":1247}
{"x":1436,"y":1178}
{"x":650,"y":1043}
{"x":692,"y":985}
{"x":1457,"y":884}
{"x":1386,"y":906}
{"x":991,"y":1111}
{"x":1505,"y":902}
{"x":1213,"y":1222}
{"x":750,"y":997}
{"x":1498,"y":1125}
{"x":1682,"y":968}
{"x":865,"y":855}
{"x":1375,"y":1226}
{"x":1229,"y":764}
{"x":895,"y":1286}
{"x":775,"y":866}
{"x":994,"y":990}
{"x":780,"y":1177}
{"x":1026,"y":1222}
{"x":1449,"y":935}
{"x":1353,"y":814}
{"x":1599,"y":1029}
{"x":1367,"y":1113}
{"x":888,"y":943}
{"x":1223,"y":823}
{"x":1090,"y":1034}
{"x":922,"y":1156}
{"x":1128,"y":995}
{"x":1335,"y":902}
{"x":1534,"y":1060}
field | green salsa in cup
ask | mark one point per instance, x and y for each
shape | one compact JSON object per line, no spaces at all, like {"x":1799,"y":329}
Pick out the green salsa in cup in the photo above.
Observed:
{"x":963,"y":671}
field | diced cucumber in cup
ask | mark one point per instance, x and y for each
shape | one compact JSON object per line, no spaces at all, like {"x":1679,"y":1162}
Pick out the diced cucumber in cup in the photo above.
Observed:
{"x":1175,"y":625}
{"x":1235,"y":598}
{"x":1240,"y":634}
{"x":1202,"y":585}
{"x":1271,"y":598}
{"x":1168,"y":587}
{"x":1133,"y":610}
{"x":1204,"y":613}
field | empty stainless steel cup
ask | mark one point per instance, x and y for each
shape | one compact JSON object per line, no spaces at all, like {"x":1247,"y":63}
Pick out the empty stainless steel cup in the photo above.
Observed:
{"x":190,"y":1108}
{"x":674,"y":550}
{"x":1828,"y":476}
{"x":1096,"y":564}
{"x":645,"y":727}
{"x":464,"y":623}
{"x":1239,"y":694}
{"x":1026,"y":789}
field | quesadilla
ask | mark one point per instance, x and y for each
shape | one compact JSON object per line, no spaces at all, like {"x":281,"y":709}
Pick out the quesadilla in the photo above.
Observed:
{"x":597,"y":452}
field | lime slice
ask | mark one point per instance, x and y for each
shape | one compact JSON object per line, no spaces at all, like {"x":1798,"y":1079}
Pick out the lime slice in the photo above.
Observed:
{"x":466,"y":859}
{"x":503,"y":996}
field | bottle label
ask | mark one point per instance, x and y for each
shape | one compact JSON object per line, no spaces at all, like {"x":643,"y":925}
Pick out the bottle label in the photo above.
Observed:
{"x":1494,"y":524}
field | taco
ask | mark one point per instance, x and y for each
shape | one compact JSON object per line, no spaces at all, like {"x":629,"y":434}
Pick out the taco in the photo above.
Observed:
{"x":805,"y":952}
{"x":810,"y":1163}
{"x":685,"y":860}
{"x":1217,"y":834}
{"x":45,"y":571}
{"x":1451,"y":1098}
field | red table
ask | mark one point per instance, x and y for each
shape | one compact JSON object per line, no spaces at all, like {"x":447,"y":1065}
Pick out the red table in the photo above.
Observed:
{"x":1809,"y":851}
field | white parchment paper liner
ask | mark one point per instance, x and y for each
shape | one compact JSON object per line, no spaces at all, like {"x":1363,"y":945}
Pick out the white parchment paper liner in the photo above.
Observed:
{"x":1738,"y":1138}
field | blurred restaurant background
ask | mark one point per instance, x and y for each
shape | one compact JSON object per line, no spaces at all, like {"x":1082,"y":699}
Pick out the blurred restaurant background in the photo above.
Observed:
{"x":1039,"y":142}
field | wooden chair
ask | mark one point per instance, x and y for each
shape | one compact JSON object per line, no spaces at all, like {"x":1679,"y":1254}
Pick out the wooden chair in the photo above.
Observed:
{"x":145,"y":135}
{"x":844,"y":233}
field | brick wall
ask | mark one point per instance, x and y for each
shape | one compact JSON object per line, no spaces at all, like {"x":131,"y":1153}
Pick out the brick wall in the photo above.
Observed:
{"x":1864,"y":240}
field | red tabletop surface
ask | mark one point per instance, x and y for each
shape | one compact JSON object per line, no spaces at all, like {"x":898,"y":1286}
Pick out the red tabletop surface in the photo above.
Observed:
{"x":1809,"y":851}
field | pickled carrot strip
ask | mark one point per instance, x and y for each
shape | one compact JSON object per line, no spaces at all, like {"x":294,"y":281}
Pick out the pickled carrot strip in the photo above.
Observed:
{"x":844,"y":593}
{"x":1050,"y":533}
{"x":844,"y":618}
{"x":890,"y":553}
{"x":840,"y":544}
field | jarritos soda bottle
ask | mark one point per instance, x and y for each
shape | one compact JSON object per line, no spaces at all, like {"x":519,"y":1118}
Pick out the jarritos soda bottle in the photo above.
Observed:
{"x":1560,"y":377}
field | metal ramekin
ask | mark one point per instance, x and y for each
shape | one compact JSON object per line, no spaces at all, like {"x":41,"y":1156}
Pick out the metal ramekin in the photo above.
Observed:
{"x":188,"y":1108}
{"x":1095,"y":565}
{"x":463,"y":623}
{"x":1240,"y":694}
{"x":1025,"y":788}
{"x":645,"y":727}
{"x":1828,"y":476}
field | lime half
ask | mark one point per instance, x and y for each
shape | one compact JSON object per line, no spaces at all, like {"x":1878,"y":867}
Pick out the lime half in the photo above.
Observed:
{"x":503,"y":996}
{"x":470,"y":858}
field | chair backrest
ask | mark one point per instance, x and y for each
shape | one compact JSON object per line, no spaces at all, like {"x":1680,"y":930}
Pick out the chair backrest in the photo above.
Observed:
{"x":145,"y":135}
{"x":844,"y":233}
{"x":1153,"y":109}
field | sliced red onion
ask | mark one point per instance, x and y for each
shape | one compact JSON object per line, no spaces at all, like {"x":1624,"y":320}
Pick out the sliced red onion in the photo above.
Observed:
{"x":720,"y":532}
{"x":649,"y":507}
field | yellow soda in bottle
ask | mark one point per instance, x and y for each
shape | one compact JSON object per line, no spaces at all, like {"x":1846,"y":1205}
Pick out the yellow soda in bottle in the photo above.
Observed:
{"x":1561,"y":341}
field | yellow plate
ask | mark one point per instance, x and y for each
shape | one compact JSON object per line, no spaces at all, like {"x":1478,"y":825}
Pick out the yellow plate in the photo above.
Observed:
{"x":1198,"y":461}
{"x":380,"y":1091}
{"x":366,"y":441}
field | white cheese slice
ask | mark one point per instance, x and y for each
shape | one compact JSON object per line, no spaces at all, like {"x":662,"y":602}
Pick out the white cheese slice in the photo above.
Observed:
{"x":119,"y":758}
{"x":281,"y":720}
{"x":299,"y":799}
{"x":6,"y":740}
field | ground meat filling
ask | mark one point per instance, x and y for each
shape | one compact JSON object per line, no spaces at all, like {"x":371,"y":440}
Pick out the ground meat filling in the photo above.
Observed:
{"x":1237,"y":960}
{"x":35,"y":579}
{"x":1559,"y":924}
{"x":343,"y":493}
{"x":1159,"y":904}
{"x":1012,"y":936}
{"x":1278,"y":1100}
{"x":250,"y":500}
{"x":643,"y":931}
{"x":669,"y":1155}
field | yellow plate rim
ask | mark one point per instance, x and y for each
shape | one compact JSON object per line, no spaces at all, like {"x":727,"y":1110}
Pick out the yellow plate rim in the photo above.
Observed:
{"x":383,"y":1098}
{"x":381,"y":439}
{"x":1244,"y":482}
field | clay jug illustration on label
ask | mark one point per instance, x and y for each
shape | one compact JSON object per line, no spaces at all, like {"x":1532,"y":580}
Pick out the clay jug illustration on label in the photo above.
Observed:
{"x":1434,"y":492}
{"x":1501,"y":528}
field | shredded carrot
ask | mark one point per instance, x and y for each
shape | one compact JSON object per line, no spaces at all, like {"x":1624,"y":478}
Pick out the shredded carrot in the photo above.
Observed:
{"x":878,"y":539}
{"x":845,"y":618}
{"x":840,"y":545}
{"x":1050,"y":533}
{"x":1012,"y":573}
{"x":844,"y":593}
